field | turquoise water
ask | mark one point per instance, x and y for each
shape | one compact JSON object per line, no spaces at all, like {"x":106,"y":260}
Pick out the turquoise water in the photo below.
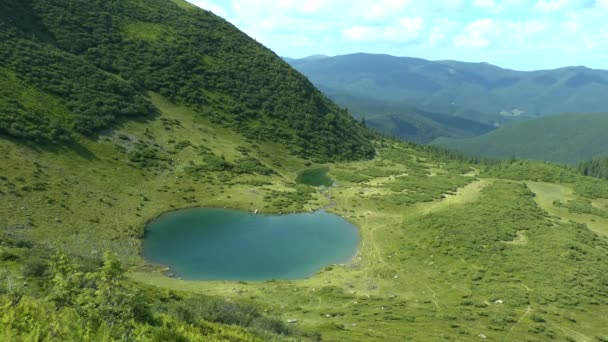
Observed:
{"x":222,"y":244}
{"x":315,"y":177}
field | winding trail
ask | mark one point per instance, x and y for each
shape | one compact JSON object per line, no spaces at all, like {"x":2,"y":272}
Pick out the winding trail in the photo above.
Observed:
{"x":332,"y":202}
{"x":526,"y":314}
{"x":434,"y":296}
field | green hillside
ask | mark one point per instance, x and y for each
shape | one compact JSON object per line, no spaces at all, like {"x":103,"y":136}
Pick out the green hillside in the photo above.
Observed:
{"x":568,"y":138}
{"x":476,"y":91}
{"x":450,"y":251}
{"x":94,"y":60}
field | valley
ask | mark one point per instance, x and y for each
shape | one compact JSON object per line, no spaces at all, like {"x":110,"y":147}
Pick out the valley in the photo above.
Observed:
{"x":117,"y":115}
{"x":435,"y":253}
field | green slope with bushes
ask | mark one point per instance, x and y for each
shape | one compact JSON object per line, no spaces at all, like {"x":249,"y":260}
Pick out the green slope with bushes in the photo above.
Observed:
{"x":96,"y":59}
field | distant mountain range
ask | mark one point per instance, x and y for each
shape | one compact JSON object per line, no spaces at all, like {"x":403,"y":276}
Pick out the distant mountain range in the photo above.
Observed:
{"x":567,"y":138}
{"x":390,"y":90}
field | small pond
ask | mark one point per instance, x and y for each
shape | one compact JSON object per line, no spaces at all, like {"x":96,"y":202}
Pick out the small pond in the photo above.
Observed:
{"x":315,"y":177}
{"x":223,"y":244}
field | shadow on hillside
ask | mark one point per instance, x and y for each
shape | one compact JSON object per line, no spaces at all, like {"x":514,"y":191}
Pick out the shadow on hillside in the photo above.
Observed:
{"x":52,"y":147}
{"x":121,"y":121}
{"x":83,"y":151}
{"x":73,"y":145}
{"x":58,"y":148}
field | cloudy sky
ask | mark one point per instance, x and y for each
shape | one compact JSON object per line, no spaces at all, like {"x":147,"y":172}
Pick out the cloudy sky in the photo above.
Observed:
{"x":517,"y":34}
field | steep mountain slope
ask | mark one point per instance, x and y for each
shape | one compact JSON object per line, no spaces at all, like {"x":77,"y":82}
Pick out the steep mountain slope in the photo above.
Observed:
{"x":94,"y":60}
{"x":476,"y":91}
{"x":511,"y":251}
{"x":568,"y":138}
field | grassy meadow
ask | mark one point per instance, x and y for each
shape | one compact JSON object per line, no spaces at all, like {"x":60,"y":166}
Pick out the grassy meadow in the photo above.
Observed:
{"x":449,"y":252}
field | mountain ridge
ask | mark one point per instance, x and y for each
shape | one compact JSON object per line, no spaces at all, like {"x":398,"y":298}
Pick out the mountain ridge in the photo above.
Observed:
{"x":479,"y":92}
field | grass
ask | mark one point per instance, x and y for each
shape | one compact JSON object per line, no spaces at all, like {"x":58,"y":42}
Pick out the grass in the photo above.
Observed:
{"x":467,"y":194}
{"x":548,"y":194}
{"x":146,"y":31}
{"x":442,"y":254}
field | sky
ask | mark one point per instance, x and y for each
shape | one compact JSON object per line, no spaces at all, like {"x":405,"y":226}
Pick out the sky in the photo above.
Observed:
{"x":515,"y":34}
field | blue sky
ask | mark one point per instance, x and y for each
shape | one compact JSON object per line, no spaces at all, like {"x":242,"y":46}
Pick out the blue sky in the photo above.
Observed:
{"x":516,"y":34}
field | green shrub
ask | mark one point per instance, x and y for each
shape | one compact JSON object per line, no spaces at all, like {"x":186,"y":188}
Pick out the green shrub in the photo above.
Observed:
{"x":35,"y":268}
{"x":7,"y":256}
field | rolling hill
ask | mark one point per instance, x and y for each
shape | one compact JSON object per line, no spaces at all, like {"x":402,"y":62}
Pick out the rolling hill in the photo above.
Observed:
{"x":113,"y":113}
{"x":478,"y":92}
{"x":567,"y":138}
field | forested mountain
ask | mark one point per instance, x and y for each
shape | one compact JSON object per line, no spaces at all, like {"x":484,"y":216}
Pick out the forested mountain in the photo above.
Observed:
{"x":114,"y":113}
{"x":475,"y":91}
{"x":567,"y":138}
{"x":80,"y":66}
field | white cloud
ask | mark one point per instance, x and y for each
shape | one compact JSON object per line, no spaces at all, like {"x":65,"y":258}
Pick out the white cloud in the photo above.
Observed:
{"x":451,"y":5}
{"x":359,"y":33}
{"x":475,"y":35}
{"x":312,"y":6}
{"x":550,"y":5}
{"x":471,"y":41}
{"x":407,"y":30}
{"x":484,"y":3}
{"x":377,"y":10}
{"x":436,"y":36}
{"x":570,"y":26}
{"x":495,"y":6}
{"x":413,"y":25}
{"x":601,"y":4}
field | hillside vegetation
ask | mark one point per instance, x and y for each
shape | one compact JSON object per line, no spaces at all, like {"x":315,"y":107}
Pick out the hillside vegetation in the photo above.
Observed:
{"x":452,"y":248}
{"x":386,"y":87}
{"x":93,"y":61}
{"x":568,"y":138}
{"x":597,"y":168}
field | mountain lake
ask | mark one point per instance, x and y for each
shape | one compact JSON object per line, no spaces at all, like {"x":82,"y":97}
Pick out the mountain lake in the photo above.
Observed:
{"x":223,"y":244}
